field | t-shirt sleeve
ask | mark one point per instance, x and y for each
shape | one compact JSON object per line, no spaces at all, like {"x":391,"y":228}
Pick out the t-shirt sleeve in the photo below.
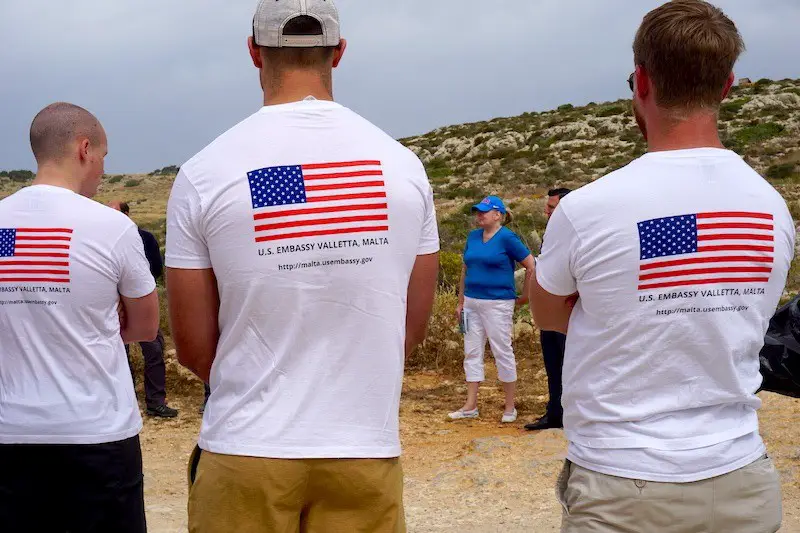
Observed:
{"x":554,"y":267}
{"x":515,"y":248}
{"x":186,"y":244}
{"x":429,"y":237}
{"x":135,"y":279}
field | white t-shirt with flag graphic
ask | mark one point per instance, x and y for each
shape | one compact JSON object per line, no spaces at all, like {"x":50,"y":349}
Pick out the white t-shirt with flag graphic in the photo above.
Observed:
{"x":680,"y":260}
{"x":312,"y":219}
{"x":64,"y":375}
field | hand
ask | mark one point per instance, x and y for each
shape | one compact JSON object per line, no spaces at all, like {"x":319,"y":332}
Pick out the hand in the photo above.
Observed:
{"x":519,"y":302}
{"x":459,"y":310}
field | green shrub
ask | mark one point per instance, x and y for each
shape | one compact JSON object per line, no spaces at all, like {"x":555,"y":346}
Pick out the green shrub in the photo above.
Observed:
{"x":566,"y":107}
{"x":166,"y":171}
{"x":600,"y":162}
{"x":115,"y":179}
{"x":610,"y":111}
{"x":133,"y":183}
{"x":462,"y":192}
{"x":780,"y":172}
{"x":631,"y":135}
{"x":449,"y":270}
{"x":729,"y":110}
{"x":439,"y":173}
{"x":758,"y":132}
{"x":443,"y":349}
{"x":19,"y":176}
{"x":500,"y":153}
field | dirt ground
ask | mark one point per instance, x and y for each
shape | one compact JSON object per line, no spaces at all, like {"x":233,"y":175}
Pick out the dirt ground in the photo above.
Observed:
{"x":464,"y":477}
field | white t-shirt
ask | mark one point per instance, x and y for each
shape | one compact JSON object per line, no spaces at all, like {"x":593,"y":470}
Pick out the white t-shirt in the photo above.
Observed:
{"x":680,"y":260}
{"x":64,"y":261}
{"x":312,"y":219}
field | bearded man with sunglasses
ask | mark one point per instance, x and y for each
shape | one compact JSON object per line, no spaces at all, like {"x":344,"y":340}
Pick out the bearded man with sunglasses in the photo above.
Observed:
{"x":674,"y":294}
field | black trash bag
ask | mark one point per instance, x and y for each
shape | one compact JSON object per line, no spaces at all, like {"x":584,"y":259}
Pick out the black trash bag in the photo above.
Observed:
{"x":780,"y":356}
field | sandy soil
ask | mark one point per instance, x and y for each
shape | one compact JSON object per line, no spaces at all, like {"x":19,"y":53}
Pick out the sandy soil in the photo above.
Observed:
{"x":465,"y":477}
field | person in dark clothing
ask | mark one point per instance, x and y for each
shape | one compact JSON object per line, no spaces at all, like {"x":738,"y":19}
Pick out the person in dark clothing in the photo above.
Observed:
{"x":553,"y":344}
{"x":155,"y":372}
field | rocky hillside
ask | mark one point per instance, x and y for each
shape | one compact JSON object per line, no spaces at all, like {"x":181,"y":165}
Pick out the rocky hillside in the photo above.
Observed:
{"x":519,"y":158}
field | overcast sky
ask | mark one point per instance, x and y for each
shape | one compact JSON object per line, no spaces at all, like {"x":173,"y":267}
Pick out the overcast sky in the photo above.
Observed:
{"x":167,"y":77}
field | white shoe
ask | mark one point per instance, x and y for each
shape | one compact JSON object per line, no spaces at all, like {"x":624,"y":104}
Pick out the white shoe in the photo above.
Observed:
{"x":508,"y":418}
{"x":461,"y":415}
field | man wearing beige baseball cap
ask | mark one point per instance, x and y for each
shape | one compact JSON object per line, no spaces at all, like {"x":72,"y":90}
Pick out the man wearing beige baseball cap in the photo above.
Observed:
{"x":302,"y":256}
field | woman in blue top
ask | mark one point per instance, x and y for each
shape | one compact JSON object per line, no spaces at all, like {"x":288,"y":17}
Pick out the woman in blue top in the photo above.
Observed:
{"x":487,"y":299}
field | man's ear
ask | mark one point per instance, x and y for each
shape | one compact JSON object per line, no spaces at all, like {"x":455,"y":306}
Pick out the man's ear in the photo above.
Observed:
{"x":728,"y":85}
{"x":339,"y":52}
{"x":84,"y":145}
{"x":642,"y":85}
{"x":255,"y":53}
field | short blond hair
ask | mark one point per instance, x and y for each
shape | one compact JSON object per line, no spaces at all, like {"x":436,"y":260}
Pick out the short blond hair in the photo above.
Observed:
{"x":688,"y":48}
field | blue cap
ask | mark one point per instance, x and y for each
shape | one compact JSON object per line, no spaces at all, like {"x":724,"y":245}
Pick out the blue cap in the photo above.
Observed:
{"x":489,"y":203}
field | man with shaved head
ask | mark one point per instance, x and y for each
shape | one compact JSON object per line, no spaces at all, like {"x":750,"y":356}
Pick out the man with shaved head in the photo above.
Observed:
{"x":74,"y":287}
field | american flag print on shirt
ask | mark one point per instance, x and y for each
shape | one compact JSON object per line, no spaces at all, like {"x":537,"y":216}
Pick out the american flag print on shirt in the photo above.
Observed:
{"x":312,"y":200}
{"x":34,"y":255}
{"x":706,"y":248}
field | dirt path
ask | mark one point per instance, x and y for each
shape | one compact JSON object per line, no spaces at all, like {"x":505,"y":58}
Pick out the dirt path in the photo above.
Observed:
{"x":473,"y":477}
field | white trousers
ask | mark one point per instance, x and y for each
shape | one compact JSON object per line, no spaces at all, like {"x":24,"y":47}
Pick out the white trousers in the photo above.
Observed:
{"x":493,"y":319}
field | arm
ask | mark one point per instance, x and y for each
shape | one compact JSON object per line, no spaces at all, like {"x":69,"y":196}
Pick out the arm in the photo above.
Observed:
{"x":421,"y":292}
{"x":554,"y":287}
{"x":551,"y":312}
{"x":191,"y":284}
{"x":194,"y":318}
{"x":139,"y":322}
{"x":529,"y":265}
{"x":138,"y":299}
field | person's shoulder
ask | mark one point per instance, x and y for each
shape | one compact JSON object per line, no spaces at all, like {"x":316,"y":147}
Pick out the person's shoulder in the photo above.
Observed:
{"x":390,"y":147}
{"x":475,"y":234}
{"x":107,"y":223}
{"x":605,"y":187}
{"x":508,"y":233}
{"x":114,"y":218}
{"x":221,"y":146}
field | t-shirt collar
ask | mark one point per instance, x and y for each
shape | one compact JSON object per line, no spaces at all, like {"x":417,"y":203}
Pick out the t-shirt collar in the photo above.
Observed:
{"x":307,"y":103}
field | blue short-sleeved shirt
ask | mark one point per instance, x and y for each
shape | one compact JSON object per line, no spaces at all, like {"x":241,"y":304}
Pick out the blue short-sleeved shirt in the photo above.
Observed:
{"x":490,"y":265}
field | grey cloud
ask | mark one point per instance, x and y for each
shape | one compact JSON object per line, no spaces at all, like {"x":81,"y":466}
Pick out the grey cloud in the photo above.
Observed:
{"x":167,"y":77}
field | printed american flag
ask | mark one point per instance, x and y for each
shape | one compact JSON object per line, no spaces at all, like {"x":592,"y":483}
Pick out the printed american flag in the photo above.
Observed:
{"x":34,"y":255}
{"x":706,"y":248}
{"x":296,"y":201}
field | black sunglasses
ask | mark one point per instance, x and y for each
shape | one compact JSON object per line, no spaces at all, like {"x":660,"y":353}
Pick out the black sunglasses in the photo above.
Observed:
{"x":630,"y":80}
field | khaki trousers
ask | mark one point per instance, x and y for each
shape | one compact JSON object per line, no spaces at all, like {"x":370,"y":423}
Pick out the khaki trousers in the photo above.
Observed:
{"x":747,"y":500}
{"x":256,"y":495}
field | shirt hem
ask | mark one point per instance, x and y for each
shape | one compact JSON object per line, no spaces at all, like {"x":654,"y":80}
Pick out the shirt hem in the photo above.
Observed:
{"x":187,"y":265}
{"x":659,"y":478}
{"x":135,"y":295}
{"x":428,"y":250}
{"x":72,"y":439}
{"x":547,"y":286}
{"x":277,"y":452}
{"x":688,"y":443}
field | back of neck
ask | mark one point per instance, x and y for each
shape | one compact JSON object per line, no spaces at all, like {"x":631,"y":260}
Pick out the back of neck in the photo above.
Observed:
{"x":699,"y":130}
{"x":56,"y":176}
{"x":295,"y":86}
